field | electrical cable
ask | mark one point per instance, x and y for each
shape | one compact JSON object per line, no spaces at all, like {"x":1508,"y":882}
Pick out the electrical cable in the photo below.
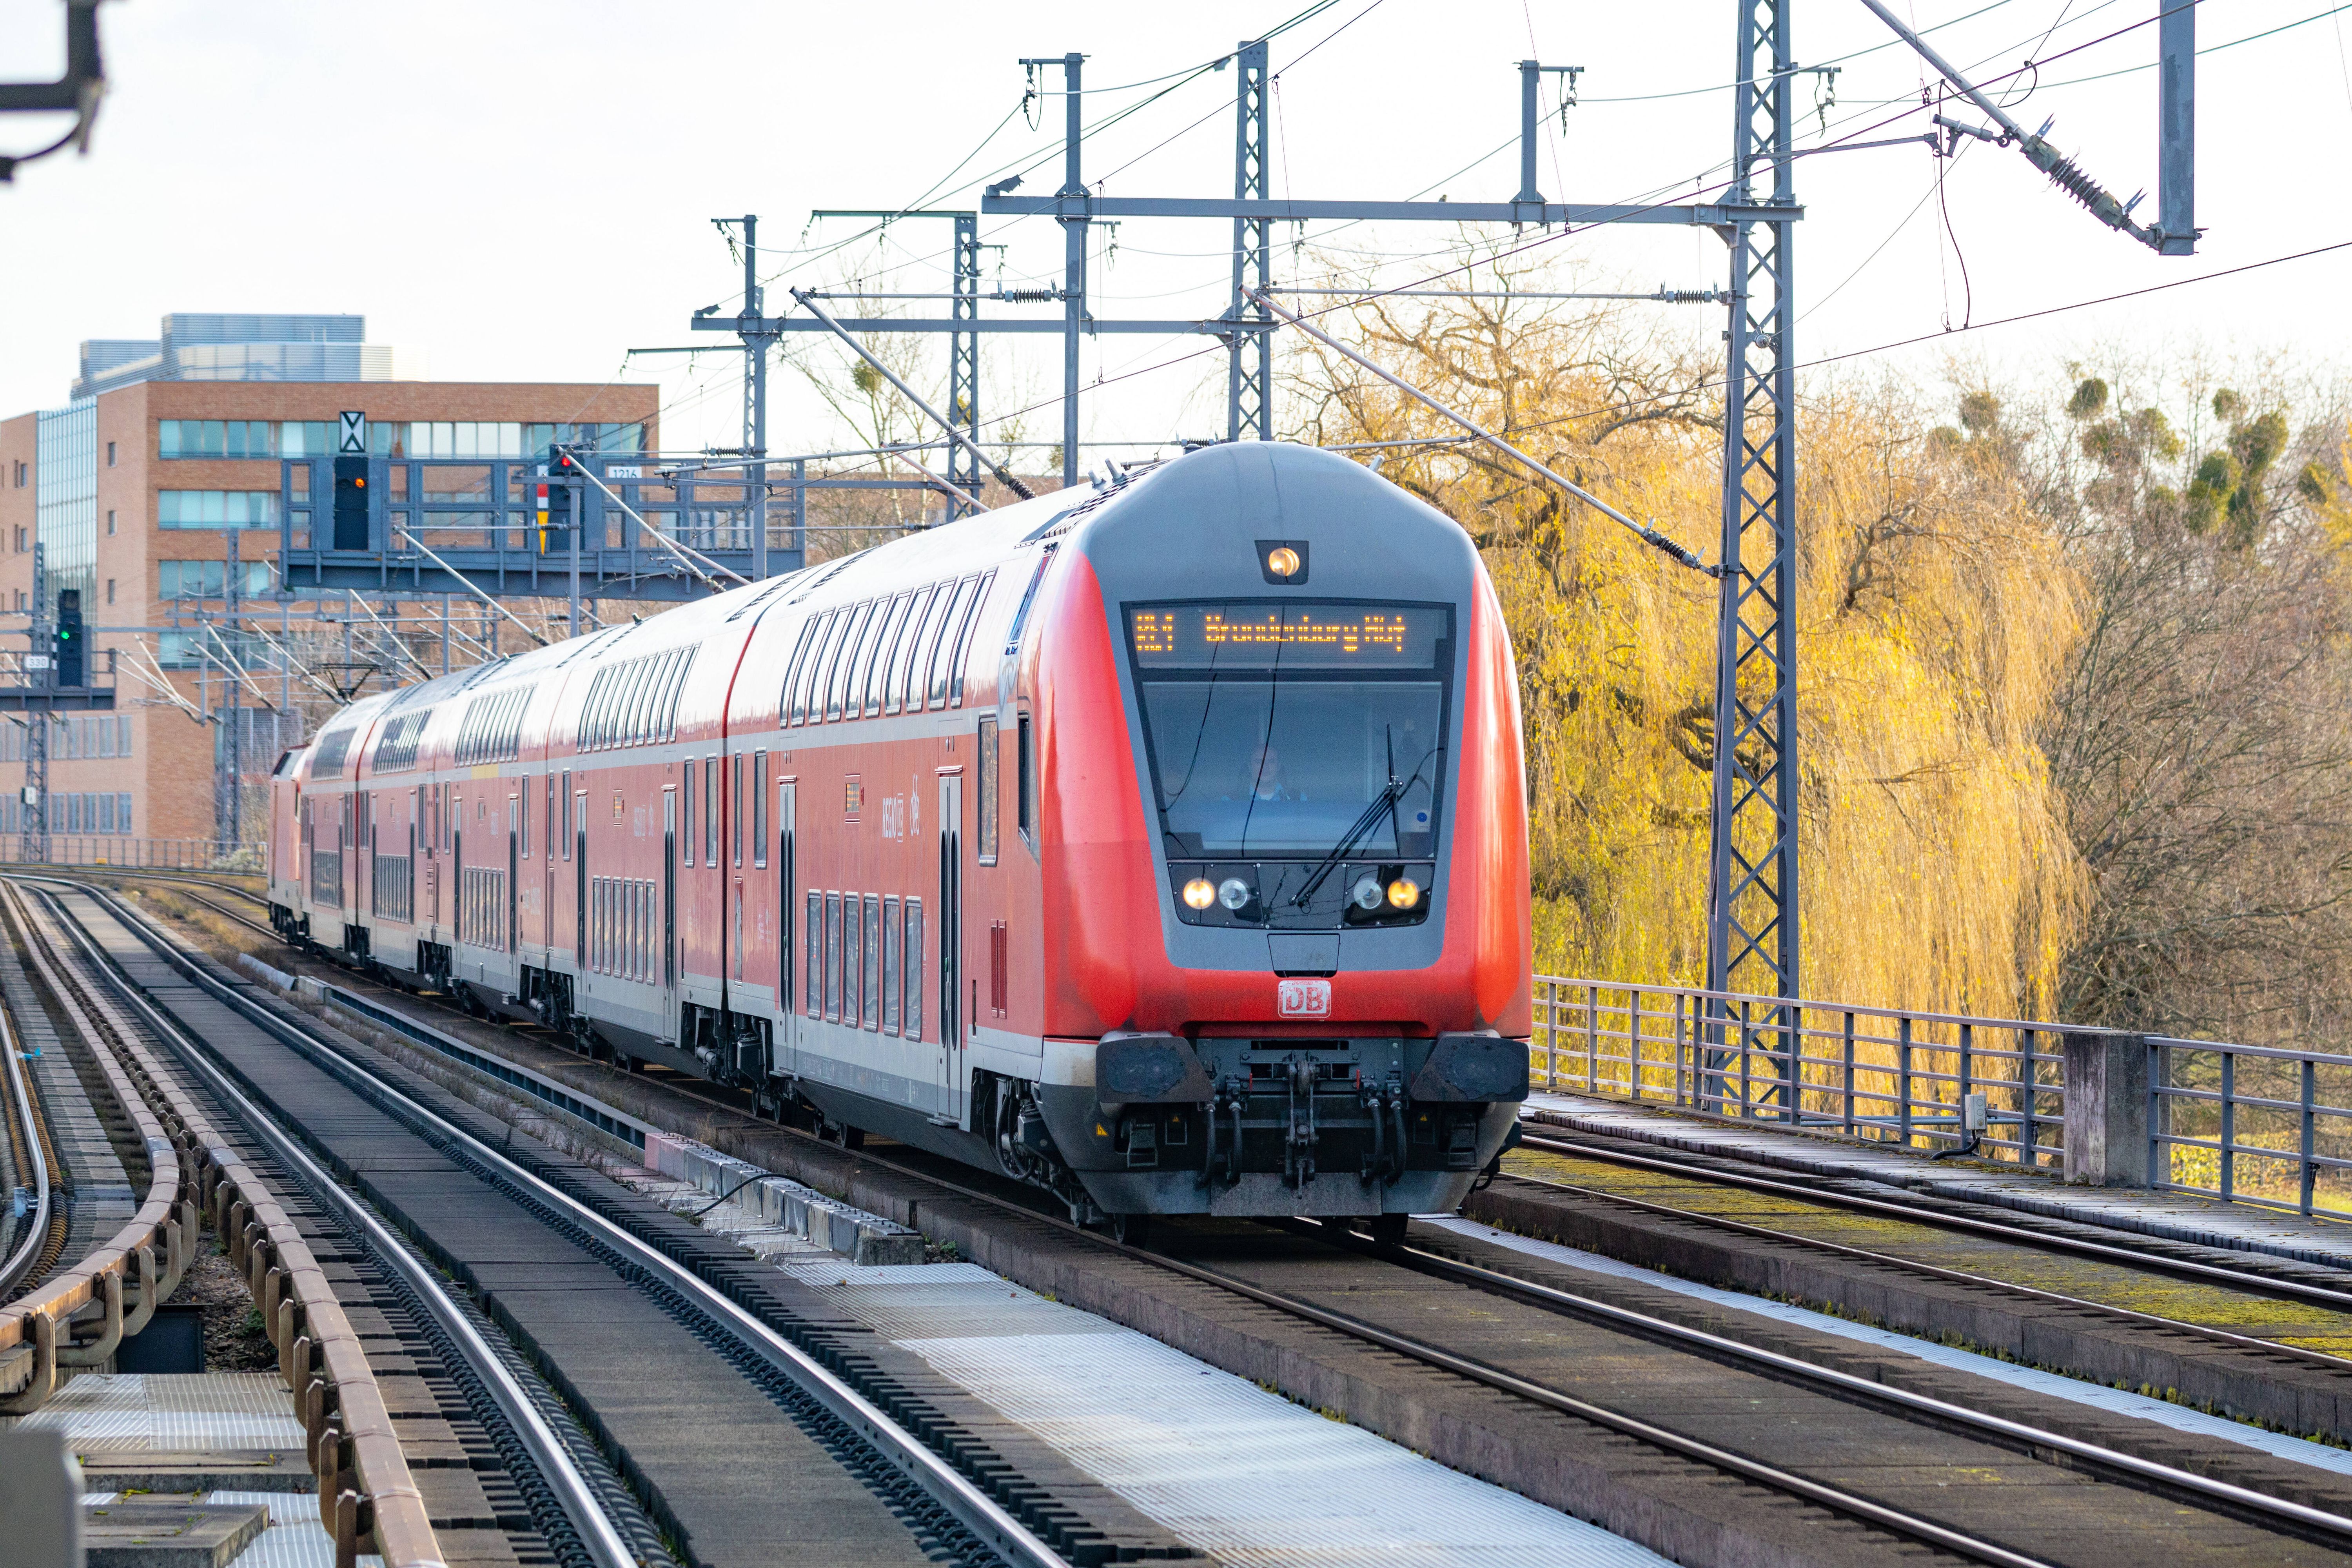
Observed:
{"x":1103,"y":379}
{"x":2215,"y":50}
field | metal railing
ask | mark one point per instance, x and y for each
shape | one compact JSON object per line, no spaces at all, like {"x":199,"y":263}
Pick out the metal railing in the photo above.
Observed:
{"x":115,"y":850}
{"x":1915,"y":1078}
{"x":2251,"y":1124}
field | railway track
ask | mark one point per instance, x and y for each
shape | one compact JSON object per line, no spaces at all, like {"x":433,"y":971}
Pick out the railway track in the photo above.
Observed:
{"x":1890,"y":1518}
{"x":522,"y":1465}
{"x":726,"y":1326}
{"x":2119,"y":1253}
{"x":2334,"y":1529}
{"x":1913,"y":1525}
{"x":2248,"y":1272}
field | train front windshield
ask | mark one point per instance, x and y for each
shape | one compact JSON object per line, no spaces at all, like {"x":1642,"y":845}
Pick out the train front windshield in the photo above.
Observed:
{"x":1285,"y":728}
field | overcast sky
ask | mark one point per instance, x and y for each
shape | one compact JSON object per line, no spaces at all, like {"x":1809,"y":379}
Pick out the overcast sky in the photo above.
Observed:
{"x":522,"y":191}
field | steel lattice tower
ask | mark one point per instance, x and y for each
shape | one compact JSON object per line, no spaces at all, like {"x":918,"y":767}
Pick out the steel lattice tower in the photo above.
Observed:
{"x":1249,"y":372}
{"x":1752,"y":917}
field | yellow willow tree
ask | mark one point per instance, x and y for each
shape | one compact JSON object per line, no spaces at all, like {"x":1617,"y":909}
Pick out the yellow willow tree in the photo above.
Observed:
{"x":1934,"y":614}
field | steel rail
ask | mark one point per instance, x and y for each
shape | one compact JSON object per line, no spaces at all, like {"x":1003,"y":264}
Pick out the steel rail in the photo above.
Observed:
{"x":977,"y":1511}
{"x":1957,"y":1276}
{"x":2033,"y":1440}
{"x":13,"y":1270}
{"x":555,"y":1462}
{"x":2148,"y":1262}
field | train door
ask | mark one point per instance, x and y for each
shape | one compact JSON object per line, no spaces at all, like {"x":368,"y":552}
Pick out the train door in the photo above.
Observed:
{"x":547,"y":879}
{"x":953,"y":1084}
{"x":786,"y":1055}
{"x":670,"y":912}
{"x":580,"y":881}
{"x":514,"y":865}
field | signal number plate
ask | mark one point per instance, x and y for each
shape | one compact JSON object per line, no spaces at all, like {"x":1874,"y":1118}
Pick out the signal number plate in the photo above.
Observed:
{"x":1303,"y":998}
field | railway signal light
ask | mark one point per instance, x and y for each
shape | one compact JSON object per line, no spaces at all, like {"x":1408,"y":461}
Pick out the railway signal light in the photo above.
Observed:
{"x":70,"y":662}
{"x":354,"y":502}
{"x":555,"y":535}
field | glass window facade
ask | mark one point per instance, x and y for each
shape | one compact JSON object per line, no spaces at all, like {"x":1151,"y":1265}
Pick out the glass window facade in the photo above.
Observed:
{"x":65,"y":496}
{"x":243,"y":438}
{"x":216,"y":508}
{"x":209,"y":579}
{"x":387,"y":439}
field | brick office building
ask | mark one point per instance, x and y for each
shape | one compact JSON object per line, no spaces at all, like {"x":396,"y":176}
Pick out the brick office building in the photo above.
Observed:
{"x":134,"y":488}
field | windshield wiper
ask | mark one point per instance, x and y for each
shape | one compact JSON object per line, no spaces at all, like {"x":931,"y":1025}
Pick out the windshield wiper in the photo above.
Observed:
{"x":1381,"y":803}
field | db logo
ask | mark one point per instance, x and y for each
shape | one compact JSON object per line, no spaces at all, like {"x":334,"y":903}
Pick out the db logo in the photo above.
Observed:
{"x":1304,"y":998}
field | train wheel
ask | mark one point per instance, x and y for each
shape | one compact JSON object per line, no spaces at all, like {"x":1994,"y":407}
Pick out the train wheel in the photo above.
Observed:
{"x":1388,"y":1229}
{"x":1131,"y":1229}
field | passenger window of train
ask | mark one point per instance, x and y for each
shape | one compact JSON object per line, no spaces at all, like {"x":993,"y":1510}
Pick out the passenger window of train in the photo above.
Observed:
{"x":686,"y":814}
{"x":966,"y":627}
{"x":794,"y":706}
{"x":638,"y":698}
{"x":987,"y":805}
{"x":522,"y":817}
{"x":649,"y":700}
{"x":913,"y":1026}
{"x":901,"y":688}
{"x":885,"y":654}
{"x":836,"y":678}
{"x":869,"y":638}
{"x":567,"y":816}
{"x":918,"y":677}
{"x":873,"y":993}
{"x":943,"y":655}
{"x":736,"y":809}
{"x":813,"y":1000}
{"x":808,"y":705}
{"x":710,"y":811}
{"x":832,"y":957}
{"x":551,"y":816}
{"x":890,"y":966}
{"x":792,"y":673}
{"x":1027,"y":802}
{"x":759,"y":808}
{"x":675,"y":689}
{"x":649,"y":705}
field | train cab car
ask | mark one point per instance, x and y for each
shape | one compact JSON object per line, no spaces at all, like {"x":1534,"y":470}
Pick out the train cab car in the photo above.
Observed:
{"x":1204,"y":888}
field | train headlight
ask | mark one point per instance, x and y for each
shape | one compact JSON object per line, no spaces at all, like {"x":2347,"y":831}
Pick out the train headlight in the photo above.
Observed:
{"x":1200,"y":892}
{"x":1366,"y":893}
{"x":1233,"y":893}
{"x":1403,"y":893}
{"x":1281,"y":561}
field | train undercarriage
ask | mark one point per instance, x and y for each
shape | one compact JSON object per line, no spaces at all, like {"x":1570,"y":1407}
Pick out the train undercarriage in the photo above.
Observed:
{"x":1374,"y":1128}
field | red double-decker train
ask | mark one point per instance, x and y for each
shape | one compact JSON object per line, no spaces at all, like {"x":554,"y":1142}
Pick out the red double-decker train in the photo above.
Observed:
{"x":1162,"y":844}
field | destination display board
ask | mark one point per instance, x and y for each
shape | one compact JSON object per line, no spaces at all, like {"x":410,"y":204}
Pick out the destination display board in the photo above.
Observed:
{"x":1286,"y":634}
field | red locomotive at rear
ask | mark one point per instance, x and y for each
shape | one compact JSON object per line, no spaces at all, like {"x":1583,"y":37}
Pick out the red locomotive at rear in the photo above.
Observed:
{"x":1163,"y":844}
